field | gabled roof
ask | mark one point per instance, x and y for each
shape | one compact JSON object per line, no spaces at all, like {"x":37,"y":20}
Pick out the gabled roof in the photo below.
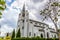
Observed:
{"x":38,"y":22}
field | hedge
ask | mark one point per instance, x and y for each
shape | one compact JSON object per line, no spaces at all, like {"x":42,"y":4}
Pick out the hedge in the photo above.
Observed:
{"x":34,"y":39}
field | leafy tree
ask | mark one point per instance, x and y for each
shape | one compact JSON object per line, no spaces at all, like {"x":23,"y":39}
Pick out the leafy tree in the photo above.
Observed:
{"x":18,"y":33}
{"x":46,"y":13}
{"x":2,"y":6}
{"x":7,"y":34}
{"x":13,"y":34}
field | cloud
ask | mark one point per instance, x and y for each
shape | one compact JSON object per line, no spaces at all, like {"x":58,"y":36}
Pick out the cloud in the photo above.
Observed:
{"x":16,"y":7}
{"x":8,"y":20}
{"x":10,"y":15}
{"x":5,"y":29}
{"x":36,"y":1}
{"x":9,"y":2}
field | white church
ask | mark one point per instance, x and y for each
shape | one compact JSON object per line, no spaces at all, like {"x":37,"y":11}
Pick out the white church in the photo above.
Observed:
{"x":33,"y":28}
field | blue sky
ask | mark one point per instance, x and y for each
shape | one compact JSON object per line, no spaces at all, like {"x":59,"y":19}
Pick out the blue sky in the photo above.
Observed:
{"x":8,"y":21}
{"x":10,"y":14}
{"x":9,"y":2}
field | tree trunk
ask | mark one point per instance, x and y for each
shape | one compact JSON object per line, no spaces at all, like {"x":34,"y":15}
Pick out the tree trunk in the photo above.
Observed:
{"x":58,"y":34}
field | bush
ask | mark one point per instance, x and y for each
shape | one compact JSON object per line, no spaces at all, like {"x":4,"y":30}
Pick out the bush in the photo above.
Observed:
{"x":13,"y":34}
{"x":34,"y":38}
{"x":18,"y":33}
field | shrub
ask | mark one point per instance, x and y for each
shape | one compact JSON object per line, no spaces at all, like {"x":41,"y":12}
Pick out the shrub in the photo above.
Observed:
{"x":34,"y":38}
{"x":13,"y":34}
{"x":18,"y":34}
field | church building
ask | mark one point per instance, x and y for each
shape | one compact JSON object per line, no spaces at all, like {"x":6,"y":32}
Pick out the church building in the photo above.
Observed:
{"x":32,"y":28}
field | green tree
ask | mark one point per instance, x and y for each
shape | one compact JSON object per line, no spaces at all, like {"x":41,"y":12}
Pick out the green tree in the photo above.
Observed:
{"x":46,"y":13}
{"x":13,"y":34}
{"x":7,"y":34}
{"x":18,"y":33}
{"x":2,"y":6}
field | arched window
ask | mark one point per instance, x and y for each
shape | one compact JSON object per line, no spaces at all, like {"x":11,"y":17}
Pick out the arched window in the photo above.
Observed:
{"x":47,"y":35}
{"x":23,"y":14}
{"x":34,"y":34}
{"x":23,"y":21}
{"x":55,"y":36}
{"x":41,"y":35}
{"x":22,"y":27}
{"x":29,"y":33}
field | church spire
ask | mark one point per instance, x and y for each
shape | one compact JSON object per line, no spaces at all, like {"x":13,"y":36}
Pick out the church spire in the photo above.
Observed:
{"x":23,"y":8}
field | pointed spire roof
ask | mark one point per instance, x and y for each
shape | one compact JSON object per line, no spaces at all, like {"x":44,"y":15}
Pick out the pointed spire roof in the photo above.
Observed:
{"x":23,"y":9}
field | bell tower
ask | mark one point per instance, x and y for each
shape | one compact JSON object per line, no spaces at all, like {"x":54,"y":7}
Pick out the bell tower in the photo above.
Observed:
{"x":23,"y":22}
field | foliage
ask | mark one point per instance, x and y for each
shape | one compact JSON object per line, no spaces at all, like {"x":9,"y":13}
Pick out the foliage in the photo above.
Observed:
{"x":2,"y":6}
{"x":7,"y":38}
{"x":2,"y":2}
{"x":35,"y":38}
{"x":0,"y":13}
{"x":45,"y":13}
{"x":1,"y":38}
{"x":18,"y":33}
{"x":13,"y":34}
{"x":52,"y":14}
{"x":7,"y":34}
{"x":55,"y":4}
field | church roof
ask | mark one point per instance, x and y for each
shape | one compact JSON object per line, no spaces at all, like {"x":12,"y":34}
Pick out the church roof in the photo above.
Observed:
{"x":53,"y":32}
{"x":51,"y":28}
{"x":38,"y":22}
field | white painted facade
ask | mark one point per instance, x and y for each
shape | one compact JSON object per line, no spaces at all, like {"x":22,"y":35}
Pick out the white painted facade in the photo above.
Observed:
{"x":33,"y":28}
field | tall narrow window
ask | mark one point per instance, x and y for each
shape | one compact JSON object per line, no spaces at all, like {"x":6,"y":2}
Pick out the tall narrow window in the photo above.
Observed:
{"x":23,"y":14}
{"x":22,"y":27}
{"x":41,"y":35}
{"x":47,"y":35}
{"x":55,"y":36}
{"x":34,"y":34}
{"x":52,"y":35}
{"x":30,"y":22}
{"x":23,"y":21}
{"x":29,"y":33}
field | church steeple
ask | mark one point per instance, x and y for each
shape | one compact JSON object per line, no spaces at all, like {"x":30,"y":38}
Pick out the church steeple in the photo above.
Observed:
{"x":23,"y":21}
{"x":23,"y":9}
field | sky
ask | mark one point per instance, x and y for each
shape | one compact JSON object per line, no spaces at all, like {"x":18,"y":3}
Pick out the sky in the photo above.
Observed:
{"x":10,"y":14}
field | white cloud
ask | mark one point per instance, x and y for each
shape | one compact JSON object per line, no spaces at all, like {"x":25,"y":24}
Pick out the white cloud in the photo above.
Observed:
{"x":31,"y":6}
{"x":10,"y":16}
{"x":5,"y":29}
{"x":14,"y":4}
{"x":8,"y":20}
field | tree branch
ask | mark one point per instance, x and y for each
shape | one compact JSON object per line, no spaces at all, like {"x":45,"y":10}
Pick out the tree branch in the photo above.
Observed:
{"x":54,"y":23}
